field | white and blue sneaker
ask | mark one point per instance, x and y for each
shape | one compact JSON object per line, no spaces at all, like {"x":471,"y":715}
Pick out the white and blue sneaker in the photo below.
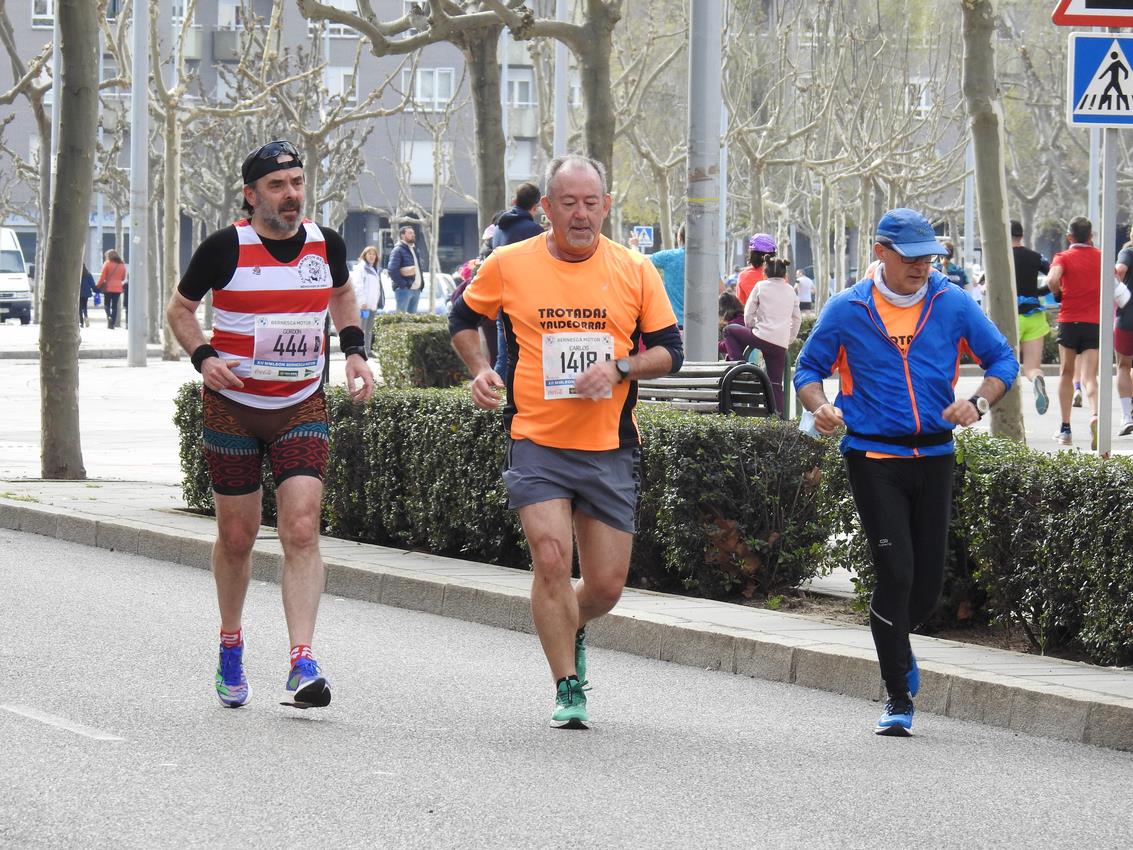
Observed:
{"x":231,"y":684}
{"x":306,"y":685}
{"x":897,"y":718}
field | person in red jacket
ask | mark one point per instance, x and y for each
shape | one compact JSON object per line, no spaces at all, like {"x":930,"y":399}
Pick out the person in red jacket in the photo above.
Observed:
{"x":111,"y":282}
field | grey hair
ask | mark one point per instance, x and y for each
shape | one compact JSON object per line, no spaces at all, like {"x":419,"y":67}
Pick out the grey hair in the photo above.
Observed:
{"x":572,"y":160}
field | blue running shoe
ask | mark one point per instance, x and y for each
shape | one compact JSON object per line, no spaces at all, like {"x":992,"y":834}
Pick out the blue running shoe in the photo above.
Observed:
{"x":897,"y":717}
{"x":306,"y":685}
{"x":231,"y":684}
{"x":913,"y":677}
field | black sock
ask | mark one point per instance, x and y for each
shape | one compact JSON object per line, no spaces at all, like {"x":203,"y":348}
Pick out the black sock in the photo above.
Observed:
{"x":1065,"y":426}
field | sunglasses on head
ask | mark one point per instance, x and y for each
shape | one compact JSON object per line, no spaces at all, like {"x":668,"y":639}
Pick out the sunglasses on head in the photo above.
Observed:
{"x":908,"y":261}
{"x":272,"y":150}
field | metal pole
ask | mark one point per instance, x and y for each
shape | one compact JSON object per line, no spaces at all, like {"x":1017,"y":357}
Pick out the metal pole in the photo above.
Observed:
{"x":701,"y":263}
{"x":561,"y":87}
{"x":1093,"y":209}
{"x":722,"y":248}
{"x":1107,"y":243}
{"x":139,"y":187}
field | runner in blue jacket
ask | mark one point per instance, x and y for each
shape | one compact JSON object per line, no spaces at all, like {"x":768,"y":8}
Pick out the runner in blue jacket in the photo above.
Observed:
{"x":895,"y":339}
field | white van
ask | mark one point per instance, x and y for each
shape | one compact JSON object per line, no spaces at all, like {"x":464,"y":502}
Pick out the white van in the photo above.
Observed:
{"x":15,"y":288}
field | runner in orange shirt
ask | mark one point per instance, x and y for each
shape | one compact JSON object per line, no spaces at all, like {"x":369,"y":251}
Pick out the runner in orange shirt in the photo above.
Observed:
{"x":575,"y":306}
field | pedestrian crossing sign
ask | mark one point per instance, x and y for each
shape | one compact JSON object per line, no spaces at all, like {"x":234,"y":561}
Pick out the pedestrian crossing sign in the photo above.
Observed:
{"x":1100,"y":80}
{"x":644,"y":235}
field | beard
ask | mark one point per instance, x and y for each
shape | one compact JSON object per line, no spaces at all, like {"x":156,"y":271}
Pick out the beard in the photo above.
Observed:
{"x":274,"y":218}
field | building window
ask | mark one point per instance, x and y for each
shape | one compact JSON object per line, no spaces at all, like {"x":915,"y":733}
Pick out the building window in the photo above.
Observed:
{"x":335,"y":30}
{"x":177,"y":13}
{"x":43,"y":14}
{"x":432,"y":90}
{"x":112,"y":9}
{"x":418,"y":156}
{"x":521,"y":87}
{"x":229,"y":15}
{"x":521,"y":159}
{"x":342,"y":84}
{"x":918,"y":98}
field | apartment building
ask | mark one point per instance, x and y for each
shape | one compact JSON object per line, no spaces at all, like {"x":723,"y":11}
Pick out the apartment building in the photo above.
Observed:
{"x":399,"y":153}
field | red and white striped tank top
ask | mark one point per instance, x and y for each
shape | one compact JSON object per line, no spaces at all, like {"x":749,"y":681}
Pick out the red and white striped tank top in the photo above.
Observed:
{"x":271,"y":316}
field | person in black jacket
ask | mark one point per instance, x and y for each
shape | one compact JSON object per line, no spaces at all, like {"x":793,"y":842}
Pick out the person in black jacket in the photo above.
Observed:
{"x":515,"y":225}
{"x":405,"y":271}
{"x":86,"y":289}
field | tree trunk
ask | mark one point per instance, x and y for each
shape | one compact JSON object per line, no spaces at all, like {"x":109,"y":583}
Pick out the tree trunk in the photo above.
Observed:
{"x":171,"y":238}
{"x":820,"y":247}
{"x":986,"y":117}
{"x":479,"y":49}
{"x":43,"y":125}
{"x":756,"y":178}
{"x":865,"y":224}
{"x":61,"y":456}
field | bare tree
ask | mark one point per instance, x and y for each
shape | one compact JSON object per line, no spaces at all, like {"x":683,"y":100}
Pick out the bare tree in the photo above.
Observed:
{"x":991,"y":191}
{"x":61,"y":456}
{"x":476,"y":34}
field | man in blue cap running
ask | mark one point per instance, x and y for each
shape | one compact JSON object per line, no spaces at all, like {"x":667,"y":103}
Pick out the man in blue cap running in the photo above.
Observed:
{"x":895,"y":339}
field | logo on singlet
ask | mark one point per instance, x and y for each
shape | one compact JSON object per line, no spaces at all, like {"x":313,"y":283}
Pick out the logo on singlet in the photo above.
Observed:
{"x":312,"y":272}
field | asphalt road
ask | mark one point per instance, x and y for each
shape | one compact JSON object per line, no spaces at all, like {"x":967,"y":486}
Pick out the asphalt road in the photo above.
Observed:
{"x":438,"y":737}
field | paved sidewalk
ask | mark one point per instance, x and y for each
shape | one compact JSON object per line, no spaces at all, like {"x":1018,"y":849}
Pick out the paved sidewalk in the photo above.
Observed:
{"x":1033,"y":695}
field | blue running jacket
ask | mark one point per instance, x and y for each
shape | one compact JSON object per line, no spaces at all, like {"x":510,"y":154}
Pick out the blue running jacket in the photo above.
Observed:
{"x":892,"y":403}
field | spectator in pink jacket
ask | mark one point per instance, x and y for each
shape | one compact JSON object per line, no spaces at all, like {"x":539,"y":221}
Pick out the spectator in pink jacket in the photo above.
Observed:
{"x":771,"y":323}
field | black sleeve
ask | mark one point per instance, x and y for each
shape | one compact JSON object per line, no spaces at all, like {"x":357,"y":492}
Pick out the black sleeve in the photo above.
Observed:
{"x":463,"y":318}
{"x":669,"y":338}
{"x":211,"y":265}
{"x":336,"y":256}
{"x":1044,"y":263}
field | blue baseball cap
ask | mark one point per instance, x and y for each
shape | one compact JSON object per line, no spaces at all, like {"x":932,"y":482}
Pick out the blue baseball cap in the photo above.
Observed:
{"x":909,"y":234}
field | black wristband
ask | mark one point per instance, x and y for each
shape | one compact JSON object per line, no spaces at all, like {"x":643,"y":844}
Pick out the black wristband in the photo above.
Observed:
{"x":202,"y":353}
{"x":351,"y":337}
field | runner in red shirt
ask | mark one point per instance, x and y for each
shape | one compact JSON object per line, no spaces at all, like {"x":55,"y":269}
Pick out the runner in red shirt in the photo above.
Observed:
{"x":1075,"y":280}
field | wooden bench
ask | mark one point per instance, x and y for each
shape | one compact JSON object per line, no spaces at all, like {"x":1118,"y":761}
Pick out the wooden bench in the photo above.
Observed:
{"x":722,"y":386}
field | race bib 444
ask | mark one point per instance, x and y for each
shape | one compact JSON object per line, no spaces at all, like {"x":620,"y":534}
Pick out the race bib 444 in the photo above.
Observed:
{"x":288,"y":347}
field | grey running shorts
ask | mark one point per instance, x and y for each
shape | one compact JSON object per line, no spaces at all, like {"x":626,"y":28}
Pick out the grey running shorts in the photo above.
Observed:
{"x":604,"y":485}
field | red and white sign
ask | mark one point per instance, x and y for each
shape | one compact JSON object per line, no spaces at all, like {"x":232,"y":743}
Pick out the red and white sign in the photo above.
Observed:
{"x":1094,"y":13}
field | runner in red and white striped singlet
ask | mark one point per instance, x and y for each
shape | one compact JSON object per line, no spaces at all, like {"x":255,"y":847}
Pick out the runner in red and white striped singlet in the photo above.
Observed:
{"x":274,"y":278}
{"x":266,"y":307}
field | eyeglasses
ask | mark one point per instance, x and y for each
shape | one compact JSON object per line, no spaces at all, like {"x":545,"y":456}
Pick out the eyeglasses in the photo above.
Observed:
{"x":908,"y":261}
{"x":272,"y":150}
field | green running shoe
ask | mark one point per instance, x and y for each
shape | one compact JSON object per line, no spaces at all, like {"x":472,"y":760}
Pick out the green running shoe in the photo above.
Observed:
{"x":570,"y":705}
{"x":580,"y":655}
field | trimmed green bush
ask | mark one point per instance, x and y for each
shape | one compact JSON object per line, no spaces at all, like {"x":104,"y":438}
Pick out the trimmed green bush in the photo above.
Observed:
{"x":1036,"y":540}
{"x":414,"y":350}
{"x":729,"y":505}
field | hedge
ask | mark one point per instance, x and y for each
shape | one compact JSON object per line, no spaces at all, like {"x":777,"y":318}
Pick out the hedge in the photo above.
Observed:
{"x":414,"y":350}
{"x":1036,"y":540}
{"x":734,"y":508}
{"x":729,"y":505}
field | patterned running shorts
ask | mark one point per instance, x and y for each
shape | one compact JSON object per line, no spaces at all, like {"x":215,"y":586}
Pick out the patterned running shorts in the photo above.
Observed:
{"x":237,"y":437}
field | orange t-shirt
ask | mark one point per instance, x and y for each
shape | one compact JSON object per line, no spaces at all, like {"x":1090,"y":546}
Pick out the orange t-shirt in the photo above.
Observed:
{"x":900,"y":325}
{"x":747,"y":280}
{"x":564,"y":317}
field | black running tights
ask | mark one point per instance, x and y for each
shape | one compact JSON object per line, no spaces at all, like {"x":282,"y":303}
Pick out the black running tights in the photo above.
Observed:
{"x":905,"y":505}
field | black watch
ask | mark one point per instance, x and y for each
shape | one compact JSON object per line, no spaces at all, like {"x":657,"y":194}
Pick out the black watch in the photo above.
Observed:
{"x":622,"y":365}
{"x":980,"y":404}
{"x":356,"y":349}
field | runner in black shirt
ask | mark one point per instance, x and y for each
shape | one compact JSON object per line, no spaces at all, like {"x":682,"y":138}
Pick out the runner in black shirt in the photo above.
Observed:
{"x":1033,"y":326}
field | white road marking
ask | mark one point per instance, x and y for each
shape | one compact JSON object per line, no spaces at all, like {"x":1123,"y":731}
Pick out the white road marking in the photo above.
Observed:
{"x":60,"y":722}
